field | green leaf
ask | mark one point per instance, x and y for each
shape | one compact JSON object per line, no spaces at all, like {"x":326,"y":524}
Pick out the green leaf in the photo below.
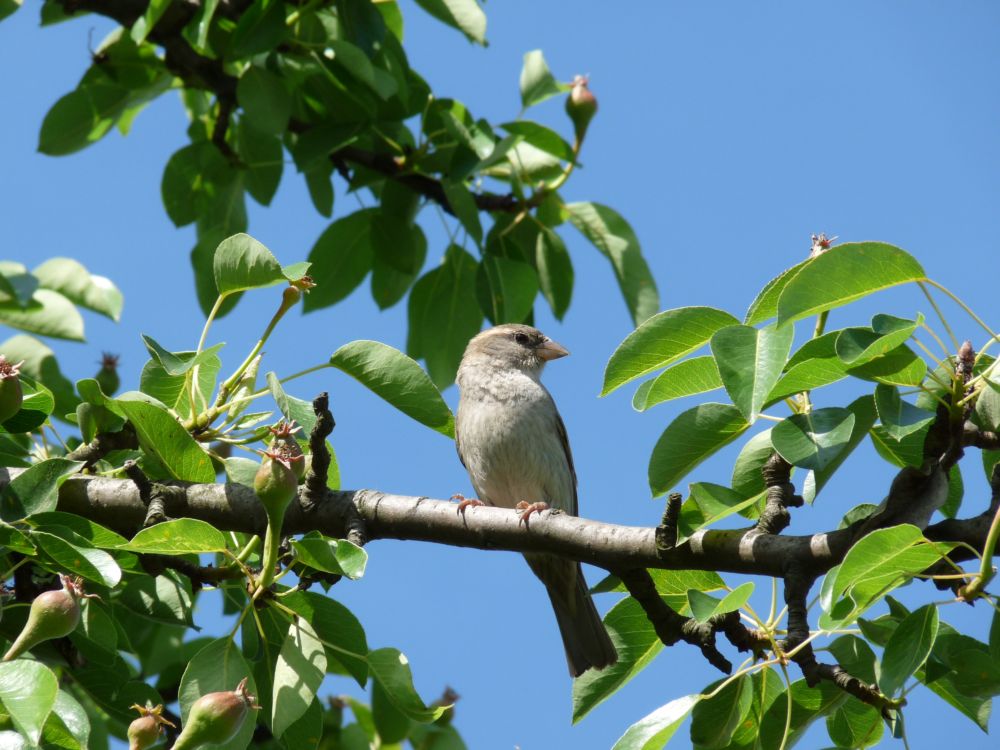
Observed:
{"x":814,"y":365}
{"x":145,"y":23}
{"x":555,"y":271}
{"x":334,"y":624}
{"x":170,"y":390}
{"x":612,"y":235}
{"x":537,"y":82}
{"x":341,"y":258}
{"x":465,"y":208}
{"x":263,"y":156}
{"x":908,"y":648}
{"x":444,"y":315}
{"x":298,"y":674}
{"x":7,"y":7}
{"x":637,"y":644}
{"x":863,"y":409}
{"x":260,"y":29}
{"x":163,"y":437}
{"x":36,"y":489}
{"x":391,"y":726}
{"x":506,"y":289}
{"x":855,"y":346}
{"x":899,"y":417}
{"x":901,"y":366}
{"x":855,"y":725}
{"x":397,"y":379}
{"x":331,"y":555}
{"x":400,"y":251}
{"x":693,"y":436}
{"x":16,"y":284}
{"x":696,"y":375}
{"x":654,"y":730}
{"x":48,"y":314}
{"x":704,"y":607}
{"x":292,"y":408}
{"x":813,"y":440}
{"x":36,"y":405}
{"x":541,"y":137}
{"x":28,"y":691}
{"x":714,"y":719}
{"x":178,"y":537}
{"x":93,"y":564}
{"x":766,"y":303}
{"x":163,"y":599}
{"x":844,"y":274}
{"x":464,"y":15}
{"x":750,"y":362}
{"x":217,"y":667}
{"x":81,"y":117}
{"x":710,"y":503}
{"x":391,"y":669}
{"x":266,"y":103}
{"x":662,"y":340}
{"x":242,"y":263}
{"x":176,"y":364}
{"x":78,"y":285}
{"x":68,"y":725}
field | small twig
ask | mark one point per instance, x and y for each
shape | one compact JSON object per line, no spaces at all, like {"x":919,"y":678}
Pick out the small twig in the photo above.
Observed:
{"x":666,"y":532}
{"x":316,"y":478}
{"x":200,"y":575}
{"x":103,"y":444}
{"x":221,"y":129}
{"x":151,"y":494}
{"x":780,"y":495}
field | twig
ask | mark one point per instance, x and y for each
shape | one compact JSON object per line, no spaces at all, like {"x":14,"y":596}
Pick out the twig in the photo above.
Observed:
{"x":102,"y":444}
{"x":315,"y":485}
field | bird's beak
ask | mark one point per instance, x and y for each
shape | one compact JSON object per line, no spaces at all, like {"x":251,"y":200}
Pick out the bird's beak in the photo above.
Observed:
{"x":549,"y":349}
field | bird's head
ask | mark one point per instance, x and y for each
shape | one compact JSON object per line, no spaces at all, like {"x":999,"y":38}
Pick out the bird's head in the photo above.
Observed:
{"x":513,"y":345}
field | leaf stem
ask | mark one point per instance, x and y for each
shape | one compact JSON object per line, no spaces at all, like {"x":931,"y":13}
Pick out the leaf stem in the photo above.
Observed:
{"x":941,"y":317}
{"x":974,"y":589}
{"x":957,"y":300}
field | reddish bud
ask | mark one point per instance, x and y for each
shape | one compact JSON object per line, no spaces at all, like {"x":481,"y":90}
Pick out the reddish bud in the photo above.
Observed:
{"x":275,"y":482}
{"x":11,"y":395}
{"x":287,"y":448}
{"x":581,"y":106}
{"x":107,"y":376}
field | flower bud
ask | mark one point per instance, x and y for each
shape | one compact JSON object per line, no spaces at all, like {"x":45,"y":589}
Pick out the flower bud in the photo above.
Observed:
{"x":145,"y":731}
{"x":107,"y":376}
{"x":286,"y":446}
{"x":53,"y":614}
{"x":215,"y":718}
{"x":581,"y":106}
{"x":275,"y":482}
{"x":11,"y":394}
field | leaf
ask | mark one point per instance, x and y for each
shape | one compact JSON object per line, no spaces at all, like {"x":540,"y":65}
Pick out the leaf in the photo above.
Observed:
{"x":863,"y":409}
{"x":693,"y":436}
{"x":36,"y":405}
{"x":750,"y":363}
{"x":464,"y":207}
{"x":637,"y":644}
{"x":217,"y":667}
{"x":900,"y":418}
{"x":765,"y":305}
{"x":555,"y":271}
{"x":400,"y":251}
{"x":81,"y":117}
{"x":163,"y":599}
{"x":813,"y":440}
{"x":260,"y":29}
{"x":710,"y":503}
{"x":78,"y":285}
{"x":391,"y":669}
{"x":541,"y":137}
{"x":714,"y":719}
{"x":855,"y":725}
{"x":506,"y":289}
{"x":662,"y":340}
{"x":93,"y":564}
{"x":73,"y":720}
{"x":908,"y":648}
{"x":263,"y":157}
{"x":901,"y":366}
{"x":266,"y":103}
{"x":28,"y":690}
{"x":292,"y":408}
{"x":464,"y":15}
{"x":241,"y":263}
{"x":298,"y":674}
{"x":163,"y":437}
{"x":170,"y":390}
{"x":341,"y":258}
{"x":704,"y":607}
{"x":16,"y":284}
{"x":696,"y":375}
{"x":48,"y":314}
{"x":844,"y":274}
{"x":177,"y":364}
{"x":336,"y":625}
{"x":179,"y":536}
{"x":331,"y":555}
{"x":612,"y":235}
{"x":36,"y":489}
{"x":397,"y":379}
{"x":748,"y":479}
{"x":859,"y":345}
{"x":815,"y":364}
{"x":537,"y":82}
{"x":654,"y":730}
{"x":444,"y":315}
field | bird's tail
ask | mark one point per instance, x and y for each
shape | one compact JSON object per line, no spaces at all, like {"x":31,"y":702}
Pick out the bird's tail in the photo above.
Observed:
{"x":584,"y":636}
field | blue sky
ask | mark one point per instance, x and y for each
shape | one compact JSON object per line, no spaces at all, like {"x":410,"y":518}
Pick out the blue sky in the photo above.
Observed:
{"x":727,"y":134}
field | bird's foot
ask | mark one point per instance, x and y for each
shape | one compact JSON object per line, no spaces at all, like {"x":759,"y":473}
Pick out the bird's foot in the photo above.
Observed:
{"x":466,"y":502}
{"x":526,"y":509}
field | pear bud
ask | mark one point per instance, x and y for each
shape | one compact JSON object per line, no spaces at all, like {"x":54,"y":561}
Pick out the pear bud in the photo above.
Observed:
{"x":581,"y":106}
{"x":11,"y":394}
{"x":107,"y":376}
{"x":145,"y":731}
{"x":275,"y":482}
{"x":284,"y":444}
{"x":215,"y":718}
{"x":53,"y":614}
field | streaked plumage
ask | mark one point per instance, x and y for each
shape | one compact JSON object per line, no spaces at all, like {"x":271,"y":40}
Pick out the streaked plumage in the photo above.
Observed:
{"x":513,"y":443}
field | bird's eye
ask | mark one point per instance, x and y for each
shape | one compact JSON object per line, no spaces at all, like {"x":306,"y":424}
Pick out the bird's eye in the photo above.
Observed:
{"x":521,"y":338}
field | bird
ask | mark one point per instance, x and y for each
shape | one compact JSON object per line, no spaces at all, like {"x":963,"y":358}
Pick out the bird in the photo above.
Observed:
{"x":513,"y":443}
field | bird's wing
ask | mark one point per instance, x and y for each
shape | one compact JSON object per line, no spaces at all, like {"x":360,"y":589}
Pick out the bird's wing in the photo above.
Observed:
{"x":564,"y":440}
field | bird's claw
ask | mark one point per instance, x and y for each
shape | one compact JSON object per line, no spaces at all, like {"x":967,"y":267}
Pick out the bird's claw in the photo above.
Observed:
{"x":526,"y":509}
{"x":465,"y":502}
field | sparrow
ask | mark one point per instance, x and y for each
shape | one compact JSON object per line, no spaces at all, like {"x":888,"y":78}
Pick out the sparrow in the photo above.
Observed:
{"x":513,"y":443}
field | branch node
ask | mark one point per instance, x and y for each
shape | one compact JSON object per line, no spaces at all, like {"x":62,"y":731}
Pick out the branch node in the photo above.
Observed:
{"x":780,"y":496}
{"x":151,"y":494}
{"x":316,"y":478}
{"x":666,"y":532}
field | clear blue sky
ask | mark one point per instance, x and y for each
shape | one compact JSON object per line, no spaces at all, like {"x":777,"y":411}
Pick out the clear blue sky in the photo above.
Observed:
{"x":727,"y":133}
